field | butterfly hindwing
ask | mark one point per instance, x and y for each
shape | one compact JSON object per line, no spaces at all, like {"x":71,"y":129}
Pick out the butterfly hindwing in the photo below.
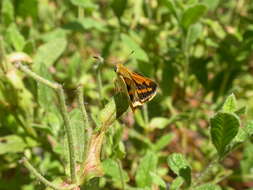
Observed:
{"x":146,"y":88}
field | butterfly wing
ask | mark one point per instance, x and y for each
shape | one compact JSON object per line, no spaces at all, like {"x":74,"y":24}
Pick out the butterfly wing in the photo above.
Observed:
{"x":140,"y":89}
{"x":132,"y":92}
{"x":145,"y":88}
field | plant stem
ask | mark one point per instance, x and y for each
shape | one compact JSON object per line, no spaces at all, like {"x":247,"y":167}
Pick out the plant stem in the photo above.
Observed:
{"x":36,"y":77}
{"x":80,"y":12}
{"x":145,"y":115}
{"x":41,"y":178}
{"x":88,"y":128}
{"x":59,"y":90}
{"x":69,"y":134}
{"x":206,"y":172}
{"x":2,"y":56}
{"x":99,"y":85}
{"x":98,"y":67}
{"x":185,"y":49}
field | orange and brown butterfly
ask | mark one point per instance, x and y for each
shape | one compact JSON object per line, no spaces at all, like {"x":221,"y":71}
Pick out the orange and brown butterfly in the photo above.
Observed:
{"x":140,"y":89}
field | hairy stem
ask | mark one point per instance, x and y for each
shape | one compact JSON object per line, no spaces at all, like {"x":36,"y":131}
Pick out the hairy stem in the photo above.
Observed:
{"x":41,"y":178}
{"x":87,"y":127}
{"x":59,"y":90}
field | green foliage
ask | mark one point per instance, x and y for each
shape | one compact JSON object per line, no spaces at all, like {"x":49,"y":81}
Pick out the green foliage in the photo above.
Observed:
{"x":179,"y":166}
{"x":192,"y":14}
{"x":195,"y":134}
{"x":224,"y":127}
{"x":147,"y":166}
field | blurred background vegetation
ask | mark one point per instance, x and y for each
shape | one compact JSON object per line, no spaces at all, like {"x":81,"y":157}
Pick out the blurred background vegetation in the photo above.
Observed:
{"x":198,"y":51}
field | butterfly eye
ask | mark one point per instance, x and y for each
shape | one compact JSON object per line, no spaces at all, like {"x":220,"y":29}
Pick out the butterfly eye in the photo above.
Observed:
{"x":115,"y":69}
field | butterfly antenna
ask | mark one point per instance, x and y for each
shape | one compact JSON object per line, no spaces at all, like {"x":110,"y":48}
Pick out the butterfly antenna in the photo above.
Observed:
{"x":128,"y":57}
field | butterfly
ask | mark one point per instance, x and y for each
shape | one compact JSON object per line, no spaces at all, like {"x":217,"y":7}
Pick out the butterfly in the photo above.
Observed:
{"x":140,"y":89}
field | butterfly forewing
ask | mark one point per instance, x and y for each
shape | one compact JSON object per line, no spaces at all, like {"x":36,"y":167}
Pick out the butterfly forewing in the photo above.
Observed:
{"x":146,"y":88}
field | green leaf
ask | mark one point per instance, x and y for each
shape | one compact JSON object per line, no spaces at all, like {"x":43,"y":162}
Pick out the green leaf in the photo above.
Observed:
{"x":208,"y":186}
{"x":159,"y":122}
{"x":46,"y":95}
{"x":211,"y":4}
{"x":114,"y":109}
{"x":163,"y":141}
{"x":112,"y":169}
{"x":177,"y":183}
{"x":48,"y":53}
{"x":179,"y":166}
{"x":52,"y":35}
{"x":167,"y":81}
{"x":15,"y":37}
{"x":118,"y":7}
{"x":139,"y":119}
{"x":11,"y":144}
{"x":172,"y":7}
{"x":192,"y":15}
{"x":216,"y":28}
{"x":198,"y":67}
{"x":249,"y":128}
{"x":84,"y":3}
{"x":7,"y":12}
{"x":147,"y":165}
{"x":193,"y":34}
{"x":90,"y":23}
{"x":240,"y":137}
{"x":157,"y":180}
{"x":92,"y":184}
{"x":27,"y":8}
{"x":139,"y":53}
{"x":240,"y":111}
{"x":78,"y":131}
{"x":246,"y":162}
{"x":224,"y":127}
{"x":230,"y":104}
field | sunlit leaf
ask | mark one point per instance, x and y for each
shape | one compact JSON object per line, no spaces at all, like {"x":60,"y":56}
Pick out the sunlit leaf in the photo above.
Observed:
{"x":7,"y":12}
{"x":49,"y":52}
{"x":139,"y":53}
{"x":230,"y":104}
{"x":111,"y":168}
{"x":159,"y":122}
{"x":192,"y":15}
{"x":176,"y":183}
{"x":156,"y":179}
{"x":147,"y":165}
{"x":15,"y":37}
{"x":224,"y":127}
{"x":179,"y":166}
{"x":208,"y":186}
{"x":11,"y":144}
{"x":163,"y":141}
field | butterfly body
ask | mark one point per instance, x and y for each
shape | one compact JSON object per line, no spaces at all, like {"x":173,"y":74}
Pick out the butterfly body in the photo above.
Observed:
{"x":140,"y":89}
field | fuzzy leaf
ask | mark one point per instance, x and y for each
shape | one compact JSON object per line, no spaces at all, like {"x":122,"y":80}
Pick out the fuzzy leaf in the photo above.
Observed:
{"x":179,"y":166}
{"x":224,"y":127}
{"x":230,"y":104}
